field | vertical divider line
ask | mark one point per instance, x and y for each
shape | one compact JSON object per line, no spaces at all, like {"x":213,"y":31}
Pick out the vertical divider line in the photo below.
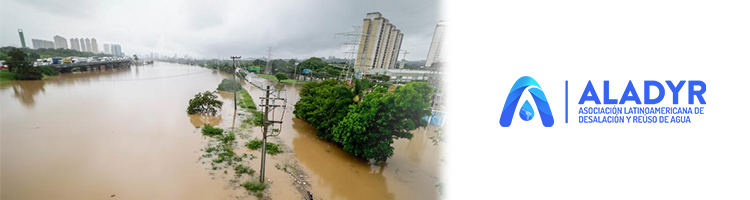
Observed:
{"x":566,"y":101}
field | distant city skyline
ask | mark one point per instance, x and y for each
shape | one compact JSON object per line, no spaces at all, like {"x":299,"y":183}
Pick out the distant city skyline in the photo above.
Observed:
{"x":201,"y":29}
{"x":79,"y":44}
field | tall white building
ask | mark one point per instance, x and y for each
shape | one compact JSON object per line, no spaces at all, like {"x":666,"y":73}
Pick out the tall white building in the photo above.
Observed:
{"x":94,"y":46}
{"x":106,"y":49}
{"x":42,"y":44}
{"x":379,"y":44}
{"x":83,"y":45}
{"x":436,"y":53}
{"x":74,"y":44}
{"x":60,"y":42}
{"x":88,"y":46}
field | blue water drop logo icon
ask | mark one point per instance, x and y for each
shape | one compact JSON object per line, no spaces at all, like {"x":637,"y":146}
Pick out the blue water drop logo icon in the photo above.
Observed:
{"x":527,"y":112}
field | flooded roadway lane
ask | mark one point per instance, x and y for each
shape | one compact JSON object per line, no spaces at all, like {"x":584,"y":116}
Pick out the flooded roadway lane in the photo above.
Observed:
{"x":125,"y":132}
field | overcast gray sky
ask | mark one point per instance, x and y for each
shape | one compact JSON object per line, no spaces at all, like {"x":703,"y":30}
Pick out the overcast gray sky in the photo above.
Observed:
{"x":208,"y":28}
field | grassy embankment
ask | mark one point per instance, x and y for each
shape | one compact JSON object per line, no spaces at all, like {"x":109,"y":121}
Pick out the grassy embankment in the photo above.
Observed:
{"x":7,"y":75}
{"x":273,"y":78}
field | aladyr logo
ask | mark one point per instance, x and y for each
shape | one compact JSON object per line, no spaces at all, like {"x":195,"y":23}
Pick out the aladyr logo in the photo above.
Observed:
{"x":526,"y":112}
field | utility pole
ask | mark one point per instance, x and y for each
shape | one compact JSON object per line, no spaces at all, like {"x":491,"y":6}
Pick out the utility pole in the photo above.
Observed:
{"x":295,"y":73}
{"x":234,"y":77}
{"x":270,"y":103}
{"x":406,"y":52}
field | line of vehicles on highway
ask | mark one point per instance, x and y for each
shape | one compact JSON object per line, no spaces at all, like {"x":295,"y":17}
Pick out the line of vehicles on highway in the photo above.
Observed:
{"x":72,"y":60}
{"x":66,"y":60}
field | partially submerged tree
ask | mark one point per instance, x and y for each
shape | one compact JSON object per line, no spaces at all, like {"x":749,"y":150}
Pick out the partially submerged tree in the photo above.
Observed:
{"x":324,"y":104}
{"x":365,"y":128}
{"x":22,"y":66}
{"x":229,"y":85}
{"x":371,"y":126}
{"x":204,"y":103}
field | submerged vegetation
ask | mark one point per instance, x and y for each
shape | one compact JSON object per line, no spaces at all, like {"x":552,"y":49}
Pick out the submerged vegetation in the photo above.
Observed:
{"x":211,"y":131}
{"x":271,"y":148}
{"x":221,"y":156}
{"x":220,"y":150}
{"x":368,"y":126}
{"x":254,"y":186}
{"x":229,"y":85}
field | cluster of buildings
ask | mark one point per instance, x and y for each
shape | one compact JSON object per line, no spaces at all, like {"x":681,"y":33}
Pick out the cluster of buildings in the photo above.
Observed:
{"x":378,"y":50}
{"x":78,"y":44}
{"x":380,"y":45}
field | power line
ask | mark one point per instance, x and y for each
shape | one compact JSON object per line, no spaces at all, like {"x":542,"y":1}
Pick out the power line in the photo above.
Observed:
{"x":352,"y":40}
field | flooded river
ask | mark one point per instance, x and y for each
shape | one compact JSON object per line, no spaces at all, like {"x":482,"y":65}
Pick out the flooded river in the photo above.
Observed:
{"x":125,"y":132}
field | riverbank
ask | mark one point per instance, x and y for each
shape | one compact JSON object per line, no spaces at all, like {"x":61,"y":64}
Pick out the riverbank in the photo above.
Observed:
{"x":6,"y":75}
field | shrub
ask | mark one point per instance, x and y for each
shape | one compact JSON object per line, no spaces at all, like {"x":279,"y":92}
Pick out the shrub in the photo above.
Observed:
{"x":253,"y":185}
{"x":241,"y":169}
{"x":47,"y":70}
{"x":281,"y":76}
{"x":227,"y":138}
{"x":271,"y":148}
{"x":28,"y":73}
{"x":229,"y":85}
{"x":209,"y":130}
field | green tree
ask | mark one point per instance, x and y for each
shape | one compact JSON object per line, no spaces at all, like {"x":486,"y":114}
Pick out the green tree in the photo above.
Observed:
{"x":370,"y":127}
{"x":281,"y":76}
{"x":22,"y":67}
{"x":259,"y":62}
{"x":324,"y":104}
{"x":359,"y":87}
{"x":312,"y":64}
{"x":33,"y":56}
{"x":204,"y":103}
{"x":16,"y":59}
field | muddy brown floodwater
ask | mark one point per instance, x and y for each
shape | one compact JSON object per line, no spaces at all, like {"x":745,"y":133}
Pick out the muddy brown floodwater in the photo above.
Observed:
{"x":125,"y":132}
